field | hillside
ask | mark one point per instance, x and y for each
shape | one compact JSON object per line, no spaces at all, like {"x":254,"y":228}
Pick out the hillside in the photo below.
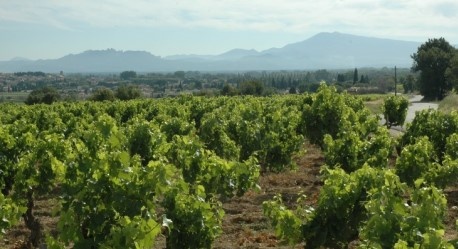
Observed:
{"x":324,"y":50}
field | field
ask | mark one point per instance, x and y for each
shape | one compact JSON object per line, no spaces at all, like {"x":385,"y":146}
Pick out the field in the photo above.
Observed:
{"x":315,"y":171}
{"x":449,"y":103}
{"x":16,"y":97}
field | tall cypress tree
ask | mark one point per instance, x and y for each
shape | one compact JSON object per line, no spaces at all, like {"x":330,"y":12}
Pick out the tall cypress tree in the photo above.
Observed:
{"x":355,"y":76}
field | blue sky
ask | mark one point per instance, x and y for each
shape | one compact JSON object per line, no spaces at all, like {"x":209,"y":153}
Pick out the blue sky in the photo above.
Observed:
{"x":46,"y":29}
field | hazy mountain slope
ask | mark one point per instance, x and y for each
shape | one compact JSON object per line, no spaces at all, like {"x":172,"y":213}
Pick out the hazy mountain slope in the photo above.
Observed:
{"x":337,"y":50}
{"x":108,"y":60}
{"x":324,"y":50}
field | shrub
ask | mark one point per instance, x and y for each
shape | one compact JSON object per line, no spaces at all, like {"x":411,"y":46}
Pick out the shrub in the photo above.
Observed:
{"x":45,"y":95}
{"x":102,"y":94}
{"x":395,"y":110}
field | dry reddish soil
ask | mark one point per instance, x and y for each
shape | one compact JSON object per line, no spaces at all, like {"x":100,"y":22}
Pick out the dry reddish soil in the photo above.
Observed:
{"x":244,"y":225}
{"x":17,"y":236}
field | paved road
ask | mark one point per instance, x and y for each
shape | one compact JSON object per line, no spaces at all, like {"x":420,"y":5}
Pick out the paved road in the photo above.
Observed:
{"x":416,"y":105}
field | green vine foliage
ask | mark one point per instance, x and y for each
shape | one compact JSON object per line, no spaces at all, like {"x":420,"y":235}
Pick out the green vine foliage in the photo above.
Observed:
{"x":8,"y":158}
{"x":146,"y":140}
{"x":333,"y":114}
{"x":350,"y":152}
{"x":196,"y":222}
{"x":10,"y":213}
{"x":415,"y":160}
{"x":213,"y":131}
{"x":419,"y":161}
{"x":126,"y":172}
{"x":16,"y":140}
{"x":394,"y":221}
{"x":287,"y":223}
{"x":394,"y":110}
{"x":263,"y":128}
{"x":108,"y":192}
{"x":388,"y":219}
{"x":339,"y":212}
{"x":123,"y":168}
{"x":370,"y":204}
{"x":201,"y":167}
{"x":431,"y":240}
{"x":451,"y":146}
{"x":437,"y":126}
{"x":361,"y":198}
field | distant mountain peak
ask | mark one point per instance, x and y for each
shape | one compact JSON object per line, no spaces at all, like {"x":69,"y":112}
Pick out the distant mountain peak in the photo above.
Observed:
{"x":111,"y":54}
{"x":337,"y":35}
{"x":114,"y":51}
{"x":325,"y":50}
{"x":237,"y":53}
{"x":240,"y":50}
{"x":20,"y":59}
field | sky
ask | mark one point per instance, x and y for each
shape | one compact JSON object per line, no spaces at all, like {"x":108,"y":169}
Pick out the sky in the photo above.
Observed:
{"x":50,"y":29}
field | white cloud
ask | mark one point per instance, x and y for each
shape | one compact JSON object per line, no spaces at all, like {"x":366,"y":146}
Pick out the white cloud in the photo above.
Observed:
{"x":389,"y":18}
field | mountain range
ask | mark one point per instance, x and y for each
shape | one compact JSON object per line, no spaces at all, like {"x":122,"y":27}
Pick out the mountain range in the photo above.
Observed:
{"x":322,"y":51}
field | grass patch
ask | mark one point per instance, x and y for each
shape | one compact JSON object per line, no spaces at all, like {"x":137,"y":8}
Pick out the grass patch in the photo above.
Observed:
{"x":13,"y":96}
{"x":373,"y":102}
{"x":375,"y":107}
{"x":372,"y":97}
{"x":449,"y":103}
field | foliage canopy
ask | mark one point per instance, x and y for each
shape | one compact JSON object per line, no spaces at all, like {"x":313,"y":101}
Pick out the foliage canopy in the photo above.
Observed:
{"x":432,"y":59}
{"x":128,"y":92}
{"x":126,"y":75}
{"x":45,"y":95}
{"x":102,"y":94}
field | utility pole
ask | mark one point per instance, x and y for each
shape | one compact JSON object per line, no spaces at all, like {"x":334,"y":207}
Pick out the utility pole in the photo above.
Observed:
{"x":395,"y":81}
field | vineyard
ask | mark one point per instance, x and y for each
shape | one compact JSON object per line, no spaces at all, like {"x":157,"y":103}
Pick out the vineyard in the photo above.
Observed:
{"x":140,"y":173}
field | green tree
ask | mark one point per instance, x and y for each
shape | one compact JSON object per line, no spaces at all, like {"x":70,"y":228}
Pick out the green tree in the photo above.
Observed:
{"x":340,"y":78}
{"x":126,"y":75}
{"x":432,"y":59}
{"x":128,"y":92}
{"x":45,"y":95}
{"x":179,"y":74}
{"x":364,"y":79}
{"x":251,"y":88}
{"x":102,"y":94}
{"x":355,"y":76}
{"x":229,"y":90}
{"x":451,"y":73}
{"x":323,"y":75}
{"x":409,"y":83}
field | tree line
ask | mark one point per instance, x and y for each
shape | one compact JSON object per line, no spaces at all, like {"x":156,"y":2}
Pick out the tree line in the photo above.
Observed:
{"x":49,"y":95}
